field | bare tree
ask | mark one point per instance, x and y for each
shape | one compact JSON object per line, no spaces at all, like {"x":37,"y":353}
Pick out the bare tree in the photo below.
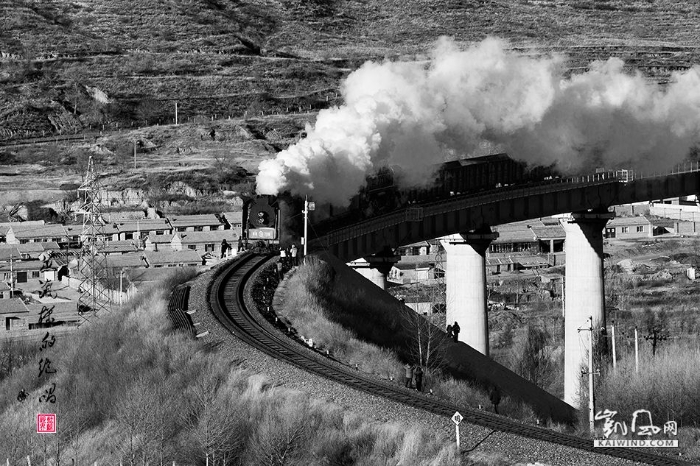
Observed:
{"x":656,"y":324}
{"x":283,"y":430}
{"x":134,"y":412}
{"x":426,"y":340}
{"x":215,"y":417}
{"x":531,"y":360}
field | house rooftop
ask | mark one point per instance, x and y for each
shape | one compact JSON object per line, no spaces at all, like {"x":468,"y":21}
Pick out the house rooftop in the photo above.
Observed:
{"x":492,"y":261}
{"x":123,"y":216}
{"x":233,"y":217}
{"x":118,"y":246}
{"x":192,"y":237}
{"x":180,"y":221}
{"x":37,"y":231}
{"x":173,"y":257}
{"x":549,"y":232}
{"x":5,"y":226}
{"x":160,"y":239}
{"x":21,"y":266}
{"x":125,"y":260}
{"x":29,"y":248}
{"x":517,"y":232}
{"x":13,"y":306}
{"x":628,"y":221}
{"x":144,"y":225}
{"x":77,"y":230}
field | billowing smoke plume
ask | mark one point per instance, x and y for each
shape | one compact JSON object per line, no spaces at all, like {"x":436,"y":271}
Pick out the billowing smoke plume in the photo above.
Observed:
{"x":416,"y":115}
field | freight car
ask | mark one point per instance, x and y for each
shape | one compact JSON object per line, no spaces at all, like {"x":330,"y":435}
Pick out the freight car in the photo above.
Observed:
{"x":383,"y":194}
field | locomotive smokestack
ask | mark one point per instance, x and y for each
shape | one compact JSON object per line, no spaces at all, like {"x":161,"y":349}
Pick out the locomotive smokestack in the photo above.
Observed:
{"x":416,"y":115}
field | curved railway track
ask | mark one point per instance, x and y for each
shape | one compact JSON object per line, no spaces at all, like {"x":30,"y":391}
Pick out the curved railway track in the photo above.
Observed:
{"x":228,"y":303}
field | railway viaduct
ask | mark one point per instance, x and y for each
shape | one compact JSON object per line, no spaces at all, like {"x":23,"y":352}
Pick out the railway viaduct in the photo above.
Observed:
{"x":464,"y":224}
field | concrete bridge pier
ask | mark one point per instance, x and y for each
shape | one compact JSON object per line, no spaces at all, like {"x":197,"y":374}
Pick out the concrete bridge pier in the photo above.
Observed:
{"x":376,"y":268}
{"x":466,"y":286}
{"x":584,"y":291}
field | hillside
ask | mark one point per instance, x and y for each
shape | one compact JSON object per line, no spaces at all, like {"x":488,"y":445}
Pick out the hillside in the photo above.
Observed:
{"x":68,"y":66}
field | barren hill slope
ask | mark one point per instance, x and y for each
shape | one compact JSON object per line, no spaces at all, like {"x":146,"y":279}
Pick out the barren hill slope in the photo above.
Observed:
{"x":66,"y":66}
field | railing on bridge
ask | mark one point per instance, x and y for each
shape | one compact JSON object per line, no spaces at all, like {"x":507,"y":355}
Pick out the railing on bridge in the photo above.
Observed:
{"x":626,"y":176}
{"x":416,"y":212}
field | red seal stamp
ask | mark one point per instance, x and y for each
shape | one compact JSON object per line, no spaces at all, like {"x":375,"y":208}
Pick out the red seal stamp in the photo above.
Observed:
{"x":46,"y":423}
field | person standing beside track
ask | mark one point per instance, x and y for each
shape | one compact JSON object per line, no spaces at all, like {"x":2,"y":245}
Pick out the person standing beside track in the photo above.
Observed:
{"x":418,"y":375}
{"x":283,"y":256}
{"x":408,"y":375}
{"x":294,"y":253}
{"x":495,"y":397}
{"x":280,"y":273}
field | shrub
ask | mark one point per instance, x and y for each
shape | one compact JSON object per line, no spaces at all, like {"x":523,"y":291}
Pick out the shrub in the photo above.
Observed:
{"x":131,"y":391}
{"x":666,"y":385}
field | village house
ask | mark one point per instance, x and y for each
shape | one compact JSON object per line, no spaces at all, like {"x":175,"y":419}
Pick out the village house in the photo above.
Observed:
{"x":14,"y":314}
{"x":153,"y":259}
{"x":204,"y":222}
{"x":421,"y":248}
{"x":19,"y":233}
{"x":629,"y":228}
{"x":158,"y":242}
{"x":24,"y":271}
{"x":117,"y":247}
{"x":204,"y":241}
{"x":5,"y":226}
{"x":515,"y":238}
{"x":63,"y":314}
{"x":11,"y":252}
{"x":27,"y":320}
{"x":5,"y":291}
{"x":123,"y":216}
{"x":233,"y":221}
{"x":497,"y":265}
{"x":108,"y":232}
{"x":185,"y":258}
{"x":115,"y":263}
{"x":139,"y":229}
{"x":26,"y":251}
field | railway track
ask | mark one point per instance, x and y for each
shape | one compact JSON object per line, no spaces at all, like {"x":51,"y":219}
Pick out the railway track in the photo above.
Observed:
{"x":226,"y":296}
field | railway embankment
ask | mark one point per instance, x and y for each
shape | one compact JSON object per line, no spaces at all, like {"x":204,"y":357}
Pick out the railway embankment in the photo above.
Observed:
{"x":477,"y":441}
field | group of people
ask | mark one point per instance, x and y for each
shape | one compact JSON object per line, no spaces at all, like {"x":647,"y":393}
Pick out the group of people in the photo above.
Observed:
{"x":289,"y":257}
{"x":413,"y":376}
{"x":453,"y":331}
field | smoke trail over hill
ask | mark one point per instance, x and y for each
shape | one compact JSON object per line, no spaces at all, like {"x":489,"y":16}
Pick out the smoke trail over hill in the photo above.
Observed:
{"x":416,"y":115}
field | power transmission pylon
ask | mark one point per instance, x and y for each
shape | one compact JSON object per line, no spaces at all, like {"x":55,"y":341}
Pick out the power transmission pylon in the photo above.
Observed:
{"x":94,"y":294}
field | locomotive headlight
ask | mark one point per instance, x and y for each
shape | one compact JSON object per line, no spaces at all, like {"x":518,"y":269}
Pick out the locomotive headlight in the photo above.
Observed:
{"x":262,"y":218}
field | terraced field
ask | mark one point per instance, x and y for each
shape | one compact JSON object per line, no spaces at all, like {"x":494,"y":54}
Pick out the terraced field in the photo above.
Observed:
{"x":67,"y":67}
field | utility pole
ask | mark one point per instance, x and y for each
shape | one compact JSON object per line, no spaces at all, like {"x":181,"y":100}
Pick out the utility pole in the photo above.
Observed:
{"x":121,"y":278}
{"x":563,"y":298}
{"x":308,"y":206}
{"x":12,"y":277}
{"x":591,"y":401}
{"x":612,"y":328}
{"x":176,"y":113}
{"x":636,"y":351}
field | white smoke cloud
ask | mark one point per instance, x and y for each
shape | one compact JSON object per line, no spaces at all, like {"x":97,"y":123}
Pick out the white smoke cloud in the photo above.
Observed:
{"x":416,"y":115}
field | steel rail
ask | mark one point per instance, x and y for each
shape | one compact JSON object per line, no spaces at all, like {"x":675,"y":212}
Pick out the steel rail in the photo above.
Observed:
{"x":227,"y":298}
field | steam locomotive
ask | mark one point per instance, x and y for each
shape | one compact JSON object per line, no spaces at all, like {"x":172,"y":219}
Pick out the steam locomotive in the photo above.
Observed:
{"x":382,"y":194}
{"x":261,"y":227}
